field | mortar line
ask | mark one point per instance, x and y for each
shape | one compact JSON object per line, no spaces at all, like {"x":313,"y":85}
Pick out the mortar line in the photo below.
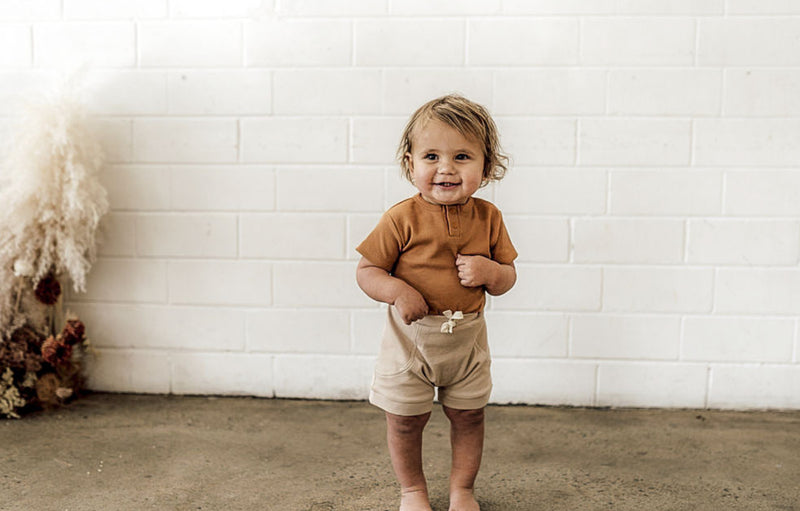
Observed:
{"x":686,"y":235}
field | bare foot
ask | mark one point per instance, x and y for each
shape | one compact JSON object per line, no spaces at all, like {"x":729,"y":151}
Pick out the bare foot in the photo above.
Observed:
{"x":416,"y":500}
{"x":462,"y":499}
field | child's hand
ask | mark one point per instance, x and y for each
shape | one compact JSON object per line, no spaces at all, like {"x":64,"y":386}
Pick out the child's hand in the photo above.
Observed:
{"x":411,"y":306}
{"x":474,"y":271}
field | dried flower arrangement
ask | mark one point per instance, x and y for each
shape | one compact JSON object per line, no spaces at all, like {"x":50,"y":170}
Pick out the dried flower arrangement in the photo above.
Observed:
{"x":51,"y":203}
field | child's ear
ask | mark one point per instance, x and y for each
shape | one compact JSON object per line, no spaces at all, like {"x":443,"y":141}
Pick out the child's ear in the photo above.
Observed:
{"x":409,"y":165}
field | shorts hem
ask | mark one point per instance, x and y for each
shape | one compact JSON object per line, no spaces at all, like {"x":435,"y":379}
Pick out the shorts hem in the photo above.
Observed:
{"x":395,"y":408}
{"x":465,"y":403}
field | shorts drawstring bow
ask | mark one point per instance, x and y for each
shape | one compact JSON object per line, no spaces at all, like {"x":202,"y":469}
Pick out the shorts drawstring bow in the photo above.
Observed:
{"x":447,"y":326}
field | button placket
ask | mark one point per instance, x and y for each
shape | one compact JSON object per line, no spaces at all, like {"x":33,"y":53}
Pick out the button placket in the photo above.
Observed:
{"x":453,"y":220}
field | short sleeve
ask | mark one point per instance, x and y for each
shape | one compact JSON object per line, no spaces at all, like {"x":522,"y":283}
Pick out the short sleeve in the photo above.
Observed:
{"x":383,"y":245}
{"x":503,"y":250}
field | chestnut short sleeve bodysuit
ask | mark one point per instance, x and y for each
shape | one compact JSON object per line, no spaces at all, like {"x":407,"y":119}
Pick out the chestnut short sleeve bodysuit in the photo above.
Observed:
{"x":418,"y":242}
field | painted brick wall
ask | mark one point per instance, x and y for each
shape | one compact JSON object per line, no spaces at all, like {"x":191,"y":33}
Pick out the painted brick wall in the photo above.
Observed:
{"x":654,"y":195}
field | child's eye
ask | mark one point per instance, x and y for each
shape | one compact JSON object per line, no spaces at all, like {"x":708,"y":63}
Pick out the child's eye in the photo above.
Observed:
{"x":462,"y":156}
{"x":429,"y":156}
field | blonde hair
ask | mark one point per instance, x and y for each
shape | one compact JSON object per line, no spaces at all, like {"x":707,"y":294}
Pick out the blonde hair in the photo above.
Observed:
{"x":471,"y":120}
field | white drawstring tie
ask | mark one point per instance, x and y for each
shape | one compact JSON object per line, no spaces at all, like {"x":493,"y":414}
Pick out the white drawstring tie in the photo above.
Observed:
{"x":447,"y":326}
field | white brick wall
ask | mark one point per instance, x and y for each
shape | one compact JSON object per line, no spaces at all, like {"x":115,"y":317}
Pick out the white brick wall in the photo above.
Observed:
{"x":654,"y":193}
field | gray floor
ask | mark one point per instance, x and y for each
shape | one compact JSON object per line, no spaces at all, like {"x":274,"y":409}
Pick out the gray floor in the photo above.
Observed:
{"x":133,"y":452}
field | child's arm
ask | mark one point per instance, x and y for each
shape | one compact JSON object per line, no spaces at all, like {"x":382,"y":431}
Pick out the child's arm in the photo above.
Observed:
{"x":477,"y":271}
{"x":379,"y":285}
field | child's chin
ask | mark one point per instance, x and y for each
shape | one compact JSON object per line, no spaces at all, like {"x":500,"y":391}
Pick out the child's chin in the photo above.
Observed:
{"x":449,"y":201}
{"x":445,"y":198}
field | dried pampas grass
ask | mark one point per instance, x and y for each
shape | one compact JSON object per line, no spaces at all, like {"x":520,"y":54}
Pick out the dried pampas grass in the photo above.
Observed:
{"x":51,"y":203}
{"x":51,"y":200}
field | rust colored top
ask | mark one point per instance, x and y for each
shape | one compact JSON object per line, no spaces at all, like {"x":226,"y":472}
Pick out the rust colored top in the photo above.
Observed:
{"x":418,"y":242}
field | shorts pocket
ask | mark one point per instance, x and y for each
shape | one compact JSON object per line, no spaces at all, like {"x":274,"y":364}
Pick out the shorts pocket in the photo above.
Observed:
{"x":481,"y":345}
{"x":397,"y":352}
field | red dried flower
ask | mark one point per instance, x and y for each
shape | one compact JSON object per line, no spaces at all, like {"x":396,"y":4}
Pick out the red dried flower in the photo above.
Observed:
{"x":49,"y":349}
{"x":73,"y":332}
{"x":55,"y":351}
{"x":48,"y":290}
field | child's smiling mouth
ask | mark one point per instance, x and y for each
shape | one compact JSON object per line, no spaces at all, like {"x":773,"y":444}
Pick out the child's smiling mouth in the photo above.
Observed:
{"x":446,"y":185}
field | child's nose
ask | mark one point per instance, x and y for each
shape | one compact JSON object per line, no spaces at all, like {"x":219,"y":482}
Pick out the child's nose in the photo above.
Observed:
{"x":445,"y":167}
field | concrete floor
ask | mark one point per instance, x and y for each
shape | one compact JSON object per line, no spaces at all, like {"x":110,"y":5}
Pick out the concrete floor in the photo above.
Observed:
{"x":134,"y":452}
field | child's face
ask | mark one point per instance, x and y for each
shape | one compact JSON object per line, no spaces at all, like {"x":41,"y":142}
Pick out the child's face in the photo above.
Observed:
{"x":446,"y":167}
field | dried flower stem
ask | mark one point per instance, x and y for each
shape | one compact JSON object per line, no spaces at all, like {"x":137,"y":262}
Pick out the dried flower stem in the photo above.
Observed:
{"x":20,"y":285}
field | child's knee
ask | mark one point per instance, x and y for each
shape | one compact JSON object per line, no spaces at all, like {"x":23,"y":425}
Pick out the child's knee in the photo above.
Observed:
{"x":406,"y":424}
{"x":465,"y":417}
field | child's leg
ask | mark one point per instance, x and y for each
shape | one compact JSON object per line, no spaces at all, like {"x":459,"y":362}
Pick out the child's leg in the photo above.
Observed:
{"x":466,"y":438}
{"x":404,"y":435}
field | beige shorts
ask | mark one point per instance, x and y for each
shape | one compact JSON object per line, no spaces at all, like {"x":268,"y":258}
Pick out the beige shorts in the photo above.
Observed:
{"x":416,"y":359}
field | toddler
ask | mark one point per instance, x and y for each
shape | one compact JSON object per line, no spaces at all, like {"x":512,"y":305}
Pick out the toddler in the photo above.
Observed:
{"x":432,"y":258}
